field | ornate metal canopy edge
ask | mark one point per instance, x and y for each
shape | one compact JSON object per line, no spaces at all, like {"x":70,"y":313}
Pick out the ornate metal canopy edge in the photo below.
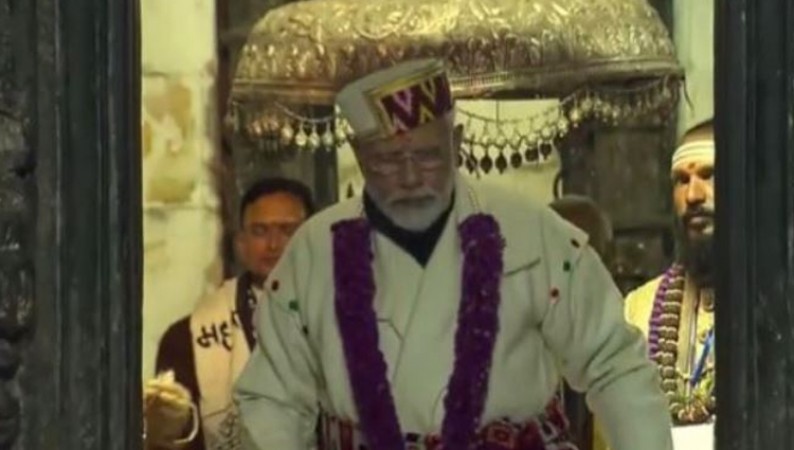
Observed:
{"x":302,"y":53}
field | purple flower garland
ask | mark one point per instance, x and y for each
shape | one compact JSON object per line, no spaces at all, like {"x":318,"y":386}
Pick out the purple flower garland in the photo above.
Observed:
{"x":478,"y":324}
{"x":354,"y":283}
{"x":658,"y":309}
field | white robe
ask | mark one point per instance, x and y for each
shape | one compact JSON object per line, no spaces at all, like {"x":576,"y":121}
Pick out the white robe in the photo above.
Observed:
{"x":560,"y":314}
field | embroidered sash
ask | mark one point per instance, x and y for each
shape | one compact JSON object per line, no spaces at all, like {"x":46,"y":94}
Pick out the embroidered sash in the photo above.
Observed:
{"x":221,"y":350}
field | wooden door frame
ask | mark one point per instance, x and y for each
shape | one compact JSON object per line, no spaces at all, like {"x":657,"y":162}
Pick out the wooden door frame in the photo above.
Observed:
{"x":754,"y":104}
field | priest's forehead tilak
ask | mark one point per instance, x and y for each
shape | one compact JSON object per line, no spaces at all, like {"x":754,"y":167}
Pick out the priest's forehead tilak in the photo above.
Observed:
{"x":696,"y":146}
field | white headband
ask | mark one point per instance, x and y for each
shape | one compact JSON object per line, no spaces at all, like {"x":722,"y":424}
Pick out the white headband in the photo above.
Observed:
{"x":699,"y":150}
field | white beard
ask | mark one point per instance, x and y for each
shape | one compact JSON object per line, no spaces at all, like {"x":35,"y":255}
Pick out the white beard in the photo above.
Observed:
{"x":417,"y":216}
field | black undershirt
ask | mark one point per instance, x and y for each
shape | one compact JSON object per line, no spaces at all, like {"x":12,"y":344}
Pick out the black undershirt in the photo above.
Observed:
{"x":418,"y":244}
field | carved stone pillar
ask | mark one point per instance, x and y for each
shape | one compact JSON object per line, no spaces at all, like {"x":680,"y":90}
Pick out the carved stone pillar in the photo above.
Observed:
{"x":70,"y":207}
{"x":626,"y":171}
{"x":17,"y":215}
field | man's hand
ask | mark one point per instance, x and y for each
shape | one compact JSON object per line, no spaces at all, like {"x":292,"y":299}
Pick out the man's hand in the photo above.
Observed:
{"x":167,"y":411}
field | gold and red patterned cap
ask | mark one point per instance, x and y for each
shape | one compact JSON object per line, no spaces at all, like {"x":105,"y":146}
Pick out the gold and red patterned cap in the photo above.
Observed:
{"x":397,"y":100}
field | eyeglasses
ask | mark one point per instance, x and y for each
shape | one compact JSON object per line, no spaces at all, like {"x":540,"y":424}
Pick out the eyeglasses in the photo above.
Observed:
{"x":392,"y":163}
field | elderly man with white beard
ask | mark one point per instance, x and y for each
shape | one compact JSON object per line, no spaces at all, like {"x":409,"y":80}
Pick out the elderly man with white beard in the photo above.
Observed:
{"x":433,"y":313}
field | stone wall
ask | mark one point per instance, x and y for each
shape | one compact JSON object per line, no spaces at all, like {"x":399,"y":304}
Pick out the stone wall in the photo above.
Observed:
{"x":180,"y":138}
{"x":694,"y":42}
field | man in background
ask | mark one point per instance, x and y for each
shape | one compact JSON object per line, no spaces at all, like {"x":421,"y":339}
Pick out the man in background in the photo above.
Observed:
{"x":681,"y":341}
{"x":190,"y":405}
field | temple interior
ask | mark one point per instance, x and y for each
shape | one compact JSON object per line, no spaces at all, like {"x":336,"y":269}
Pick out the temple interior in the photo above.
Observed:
{"x":574,"y":107}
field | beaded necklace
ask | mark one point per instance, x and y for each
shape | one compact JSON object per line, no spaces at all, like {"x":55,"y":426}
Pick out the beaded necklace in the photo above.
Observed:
{"x":663,"y":334}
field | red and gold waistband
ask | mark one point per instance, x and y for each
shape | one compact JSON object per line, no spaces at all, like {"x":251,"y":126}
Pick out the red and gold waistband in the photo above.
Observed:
{"x":548,"y":431}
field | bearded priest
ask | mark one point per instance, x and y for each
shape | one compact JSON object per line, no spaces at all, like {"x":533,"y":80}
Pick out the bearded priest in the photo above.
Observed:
{"x":432,"y":313}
